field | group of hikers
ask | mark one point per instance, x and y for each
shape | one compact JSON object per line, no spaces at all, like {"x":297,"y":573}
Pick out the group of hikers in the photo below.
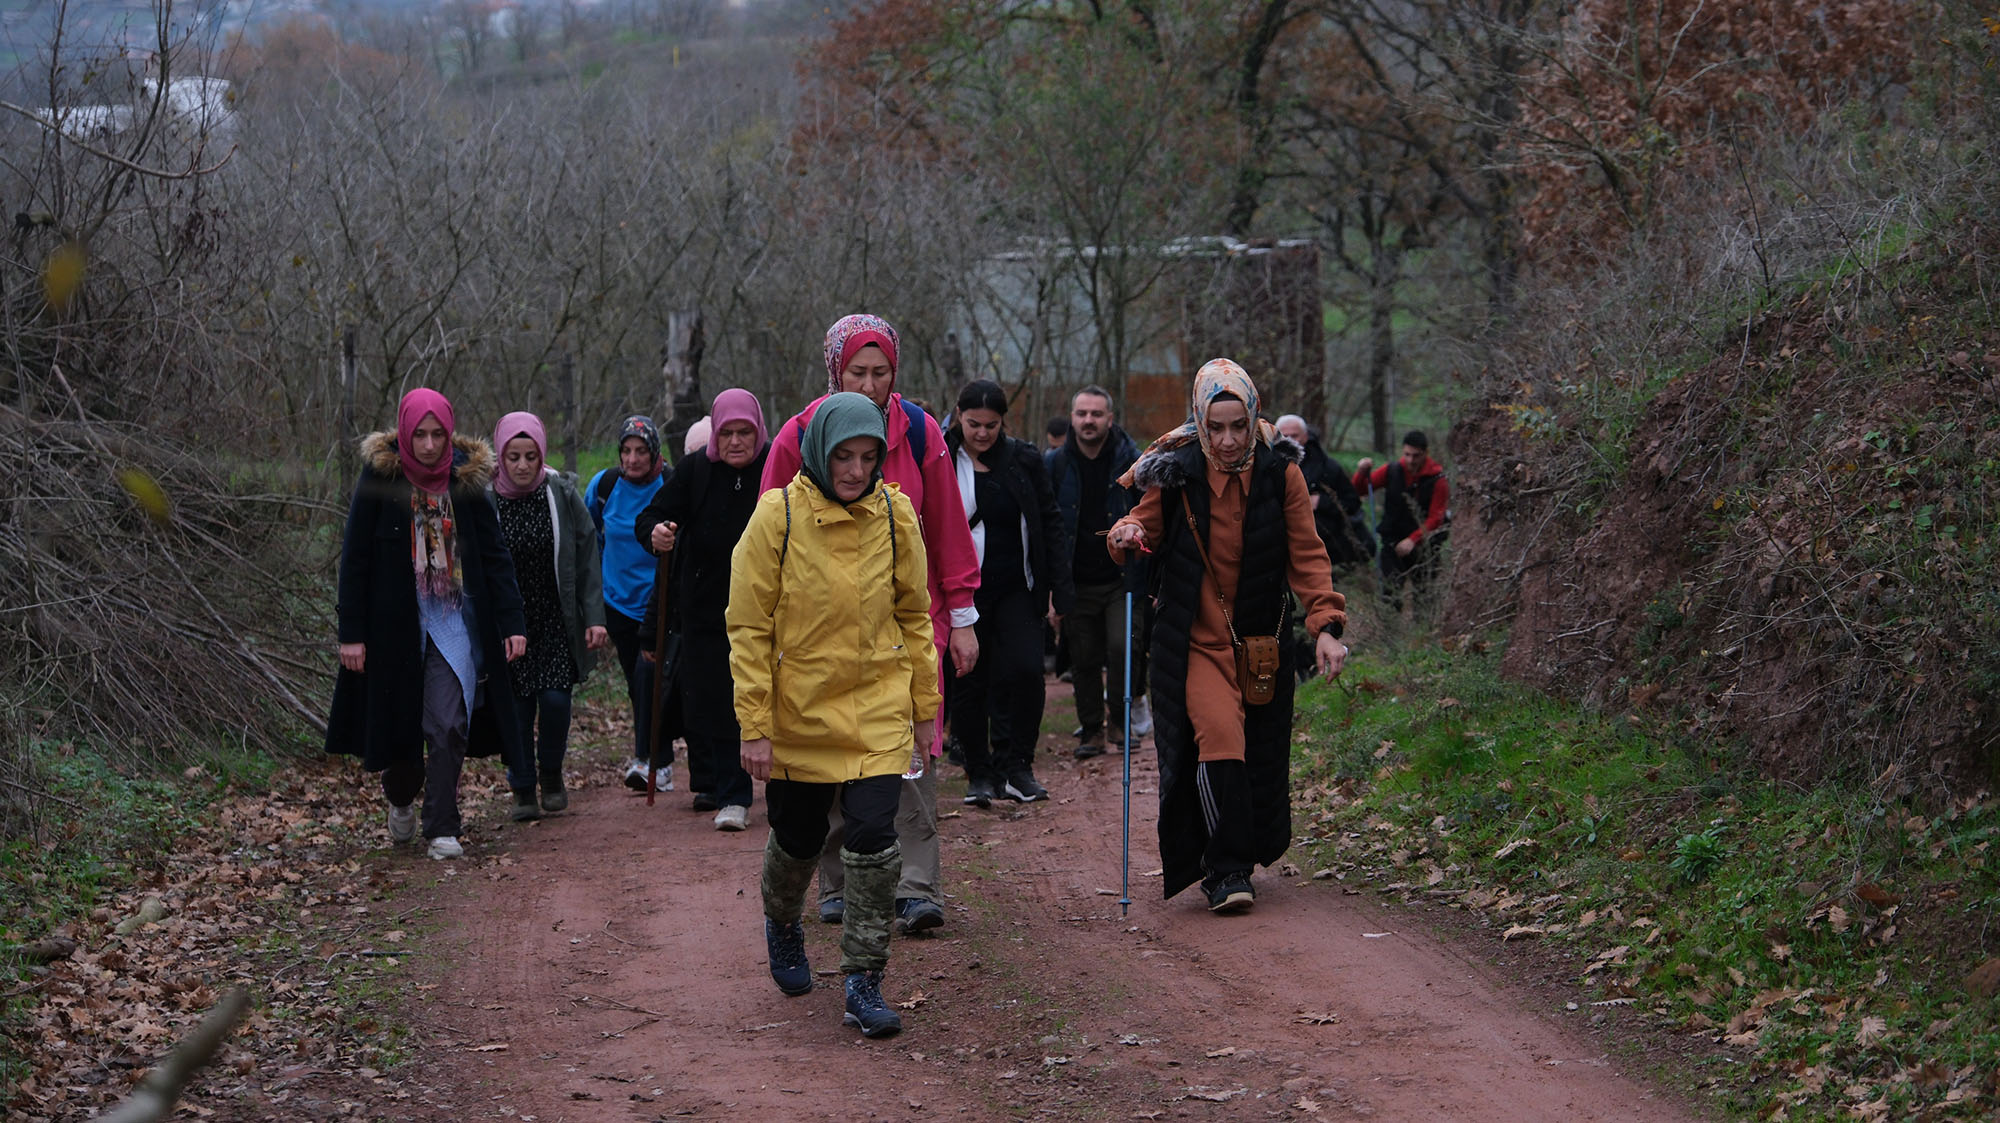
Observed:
{"x":832,"y":596}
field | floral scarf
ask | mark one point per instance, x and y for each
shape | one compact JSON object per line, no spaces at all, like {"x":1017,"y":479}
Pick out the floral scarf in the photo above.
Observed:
{"x":850,"y":334}
{"x":1215,"y":378}
{"x":432,"y":538}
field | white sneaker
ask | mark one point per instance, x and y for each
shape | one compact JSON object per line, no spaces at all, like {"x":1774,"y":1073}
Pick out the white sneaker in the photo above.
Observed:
{"x":1142,"y":717}
{"x":402,"y":823}
{"x":635,"y":776}
{"x":732,"y":818}
{"x":445,"y":846}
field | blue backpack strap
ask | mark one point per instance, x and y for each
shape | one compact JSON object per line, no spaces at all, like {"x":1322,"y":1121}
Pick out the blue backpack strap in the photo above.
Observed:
{"x":919,"y":430}
{"x":600,"y":493}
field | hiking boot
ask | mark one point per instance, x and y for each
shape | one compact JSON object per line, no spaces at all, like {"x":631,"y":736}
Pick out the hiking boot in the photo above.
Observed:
{"x":865,"y":1007}
{"x":445,"y":846}
{"x":706,"y":801}
{"x":833,"y":910}
{"x":785,"y":944}
{"x":1022,"y":787}
{"x":402,"y":823}
{"x":733,"y":818}
{"x":1229,"y":893}
{"x":1092,"y":744}
{"x":914,"y":915}
{"x":554,"y":796}
{"x":979,"y":792}
{"x":526,"y":809}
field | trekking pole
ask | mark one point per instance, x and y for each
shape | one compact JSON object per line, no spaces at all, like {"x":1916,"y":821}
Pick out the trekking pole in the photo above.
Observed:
{"x":1125,"y":823}
{"x":659,"y":676}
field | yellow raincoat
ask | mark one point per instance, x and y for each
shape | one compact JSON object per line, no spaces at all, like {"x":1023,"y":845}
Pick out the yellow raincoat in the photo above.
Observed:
{"x":831,"y":651}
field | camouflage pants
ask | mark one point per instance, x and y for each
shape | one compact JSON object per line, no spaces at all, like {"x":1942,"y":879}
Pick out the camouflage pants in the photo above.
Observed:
{"x":798,"y":814}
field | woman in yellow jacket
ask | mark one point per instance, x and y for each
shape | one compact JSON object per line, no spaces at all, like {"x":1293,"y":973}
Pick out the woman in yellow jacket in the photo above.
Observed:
{"x":836,"y":685}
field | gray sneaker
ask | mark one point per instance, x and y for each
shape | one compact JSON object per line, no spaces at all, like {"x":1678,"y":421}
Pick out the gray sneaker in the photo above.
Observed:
{"x":402,"y":823}
{"x":445,"y":846}
{"x":732,"y":818}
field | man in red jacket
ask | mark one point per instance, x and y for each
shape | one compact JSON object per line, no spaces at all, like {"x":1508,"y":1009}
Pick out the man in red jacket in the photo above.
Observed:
{"x":1416,"y":503}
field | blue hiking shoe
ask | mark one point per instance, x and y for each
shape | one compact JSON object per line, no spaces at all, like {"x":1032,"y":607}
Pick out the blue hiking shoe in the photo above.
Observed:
{"x":865,"y":1007}
{"x":786,"y":945}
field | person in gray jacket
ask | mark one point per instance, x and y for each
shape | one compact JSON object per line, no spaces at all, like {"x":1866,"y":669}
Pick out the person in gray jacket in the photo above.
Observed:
{"x":549,"y":532}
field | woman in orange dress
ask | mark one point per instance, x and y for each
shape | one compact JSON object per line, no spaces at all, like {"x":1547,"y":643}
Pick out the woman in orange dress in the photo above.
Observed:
{"x":1228,"y":514}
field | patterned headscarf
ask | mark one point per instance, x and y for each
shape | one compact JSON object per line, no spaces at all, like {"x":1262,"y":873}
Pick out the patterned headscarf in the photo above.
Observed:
{"x":850,"y":334}
{"x":410,"y":413}
{"x":1215,"y":378}
{"x":519,"y":424}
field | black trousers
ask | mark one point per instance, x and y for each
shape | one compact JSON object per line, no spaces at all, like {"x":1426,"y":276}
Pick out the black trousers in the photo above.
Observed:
{"x":798,"y":812}
{"x":996,"y":711}
{"x":1224,"y":789}
{"x":1419,"y":569}
{"x":708,"y":719}
{"x":638,"y":681}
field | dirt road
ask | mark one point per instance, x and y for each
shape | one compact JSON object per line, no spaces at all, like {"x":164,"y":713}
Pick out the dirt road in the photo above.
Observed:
{"x":608,"y":964}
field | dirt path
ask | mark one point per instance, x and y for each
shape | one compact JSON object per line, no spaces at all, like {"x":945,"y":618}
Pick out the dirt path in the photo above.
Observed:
{"x":616,"y":953}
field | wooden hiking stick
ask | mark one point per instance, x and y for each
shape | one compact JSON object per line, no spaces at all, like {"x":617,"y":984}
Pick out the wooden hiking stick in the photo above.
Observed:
{"x":660,"y":572}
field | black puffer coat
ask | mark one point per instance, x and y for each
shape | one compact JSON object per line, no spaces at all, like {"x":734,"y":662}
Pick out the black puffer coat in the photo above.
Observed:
{"x":378,"y":714}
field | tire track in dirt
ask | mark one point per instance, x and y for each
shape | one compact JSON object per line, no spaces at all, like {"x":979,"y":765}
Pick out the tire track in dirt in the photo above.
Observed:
{"x":616,"y":952}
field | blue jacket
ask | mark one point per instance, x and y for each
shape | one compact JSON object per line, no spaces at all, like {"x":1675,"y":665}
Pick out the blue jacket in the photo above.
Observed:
{"x":1061,"y":464}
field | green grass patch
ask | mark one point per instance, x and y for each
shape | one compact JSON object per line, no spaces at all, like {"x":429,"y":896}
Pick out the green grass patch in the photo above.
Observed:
{"x":1818,"y":941}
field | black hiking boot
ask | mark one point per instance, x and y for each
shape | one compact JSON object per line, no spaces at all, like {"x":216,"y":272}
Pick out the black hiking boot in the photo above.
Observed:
{"x":554,"y":796}
{"x":526,"y":810}
{"x":865,"y":1007}
{"x":786,"y":945}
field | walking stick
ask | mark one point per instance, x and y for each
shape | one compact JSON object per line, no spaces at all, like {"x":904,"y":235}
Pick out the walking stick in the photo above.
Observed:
{"x":1125,"y":824}
{"x":660,"y":572}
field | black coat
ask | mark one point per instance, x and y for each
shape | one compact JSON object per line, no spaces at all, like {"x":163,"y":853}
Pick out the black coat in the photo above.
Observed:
{"x":1338,"y":517}
{"x":1022,"y":471}
{"x":711,"y":503}
{"x":378,"y":714}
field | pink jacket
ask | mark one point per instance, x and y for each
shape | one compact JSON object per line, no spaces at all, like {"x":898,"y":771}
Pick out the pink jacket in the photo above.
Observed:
{"x":932,"y":488}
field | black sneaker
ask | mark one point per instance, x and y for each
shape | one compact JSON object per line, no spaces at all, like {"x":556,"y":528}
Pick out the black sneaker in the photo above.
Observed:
{"x":706,"y":801}
{"x":1022,"y":787}
{"x":526,"y":810}
{"x":1229,"y":893}
{"x":914,"y":915}
{"x":953,"y":754}
{"x":786,"y":945}
{"x":979,"y":792}
{"x":832,"y":910}
{"x":865,"y":1007}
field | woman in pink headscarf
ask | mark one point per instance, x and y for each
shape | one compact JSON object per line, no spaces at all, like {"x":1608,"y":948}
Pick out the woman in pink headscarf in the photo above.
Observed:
{"x":429,"y":617}
{"x":861,"y":353}
{"x":553,"y":541}
{"x":699,"y":515}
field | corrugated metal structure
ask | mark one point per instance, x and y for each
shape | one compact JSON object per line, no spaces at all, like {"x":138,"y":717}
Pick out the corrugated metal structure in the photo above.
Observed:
{"x":1033,"y":327}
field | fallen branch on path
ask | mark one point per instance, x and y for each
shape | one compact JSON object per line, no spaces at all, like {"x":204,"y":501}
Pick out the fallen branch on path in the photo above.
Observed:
{"x":154,"y":1100}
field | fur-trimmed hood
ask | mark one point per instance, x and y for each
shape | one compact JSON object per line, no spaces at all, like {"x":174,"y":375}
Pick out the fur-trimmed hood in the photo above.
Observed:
{"x":472,"y":460}
{"x":1176,"y":467}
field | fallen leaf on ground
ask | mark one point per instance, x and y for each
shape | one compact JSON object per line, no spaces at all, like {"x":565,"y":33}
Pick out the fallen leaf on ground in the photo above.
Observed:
{"x":1319,"y":1019}
{"x":1519,"y":931}
{"x":1225,"y":1051}
{"x":1216,"y":1097}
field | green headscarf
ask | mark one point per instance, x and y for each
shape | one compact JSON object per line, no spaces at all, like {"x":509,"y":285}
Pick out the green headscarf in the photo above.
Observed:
{"x":840,"y":417}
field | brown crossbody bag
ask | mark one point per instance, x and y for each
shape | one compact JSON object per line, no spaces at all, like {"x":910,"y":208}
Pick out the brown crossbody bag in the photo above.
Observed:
{"x":1256,"y":656}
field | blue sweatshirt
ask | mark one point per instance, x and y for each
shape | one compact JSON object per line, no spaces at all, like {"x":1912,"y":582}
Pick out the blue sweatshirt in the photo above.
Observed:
{"x":628,"y":568}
